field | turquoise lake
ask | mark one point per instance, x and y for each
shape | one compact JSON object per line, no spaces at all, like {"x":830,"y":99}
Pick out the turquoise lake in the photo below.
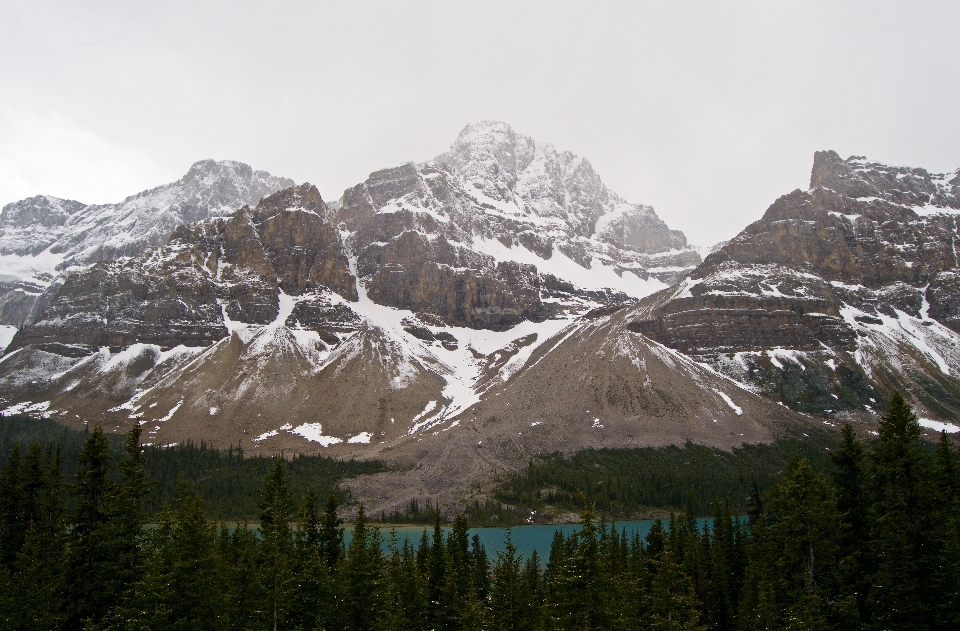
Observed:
{"x":525,"y":538}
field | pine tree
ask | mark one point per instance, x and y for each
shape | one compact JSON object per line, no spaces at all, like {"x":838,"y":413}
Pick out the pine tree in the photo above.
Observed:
{"x":38,"y":582}
{"x":900,"y":537}
{"x":509,"y":594}
{"x":331,"y":533}
{"x":276,"y":572}
{"x":853,"y":505}
{"x":945,"y":580}
{"x":91,"y":588}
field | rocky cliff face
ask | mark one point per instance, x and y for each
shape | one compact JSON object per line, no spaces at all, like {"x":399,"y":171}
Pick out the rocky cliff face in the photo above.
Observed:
{"x":212,"y":272}
{"x":43,"y":235}
{"x":836,"y":296}
{"x":482,"y":234}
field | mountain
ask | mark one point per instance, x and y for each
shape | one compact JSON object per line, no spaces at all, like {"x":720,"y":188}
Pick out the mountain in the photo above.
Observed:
{"x":835,"y":297}
{"x":459,"y":316}
{"x":480,"y":235}
{"x":43,"y":235}
{"x":373,"y":321}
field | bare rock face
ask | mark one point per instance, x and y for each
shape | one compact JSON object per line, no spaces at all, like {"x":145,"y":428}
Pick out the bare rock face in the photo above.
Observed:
{"x":43,"y":235}
{"x":182,"y":294}
{"x":476,"y":234}
{"x":835,"y":297}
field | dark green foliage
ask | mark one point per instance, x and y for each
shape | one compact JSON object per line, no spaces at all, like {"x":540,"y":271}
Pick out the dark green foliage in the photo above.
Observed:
{"x":488,"y":513}
{"x":874,"y":544}
{"x":620,"y":482}
{"x":227,"y":480}
{"x":91,"y":588}
{"x":901,"y":524}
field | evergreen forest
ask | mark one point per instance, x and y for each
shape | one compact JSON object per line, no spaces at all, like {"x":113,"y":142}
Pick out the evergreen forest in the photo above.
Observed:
{"x":874,"y":543}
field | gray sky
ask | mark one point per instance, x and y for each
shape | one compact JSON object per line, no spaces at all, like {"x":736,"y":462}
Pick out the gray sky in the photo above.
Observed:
{"x":707,"y":111}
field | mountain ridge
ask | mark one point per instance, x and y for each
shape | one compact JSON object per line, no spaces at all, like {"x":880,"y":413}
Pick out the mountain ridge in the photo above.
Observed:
{"x":470,"y":312}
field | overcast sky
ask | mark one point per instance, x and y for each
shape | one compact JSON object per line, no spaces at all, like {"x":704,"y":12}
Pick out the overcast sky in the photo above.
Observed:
{"x":706,"y":110}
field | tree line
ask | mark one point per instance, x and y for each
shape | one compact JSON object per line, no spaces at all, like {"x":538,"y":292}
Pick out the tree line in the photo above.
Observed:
{"x":228,"y":479}
{"x":874,"y":544}
{"x":621,"y":483}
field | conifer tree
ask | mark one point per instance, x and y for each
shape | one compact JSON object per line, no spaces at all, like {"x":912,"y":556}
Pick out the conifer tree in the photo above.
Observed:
{"x":125,"y":506}
{"x":899,"y":529}
{"x":308,"y":526}
{"x":362,"y":600}
{"x":804,"y":542}
{"x":38,"y":582}
{"x":437,"y":574}
{"x":331,"y":533}
{"x":669,"y":602}
{"x":12,"y":528}
{"x":181,"y":588}
{"x":581,"y":590}
{"x":945,"y":580}
{"x":532,"y":579}
{"x":313,"y":597}
{"x":460,"y":607}
{"x":853,"y":504}
{"x":248,"y":599}
{"x":509,"y":609}
{"x":481,"y":568}
{"x":91,"y":588}
{"x":276,"y":572}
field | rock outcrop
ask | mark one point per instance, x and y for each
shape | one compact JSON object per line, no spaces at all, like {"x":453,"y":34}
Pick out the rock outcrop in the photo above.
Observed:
{"x":43,"y":235}
{"x":211,"y":273}
{"x":475,"y":235}
{"x":838,"y":295}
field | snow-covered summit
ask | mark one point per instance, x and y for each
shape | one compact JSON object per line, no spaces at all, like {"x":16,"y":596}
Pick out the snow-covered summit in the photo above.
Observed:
{"x":509,"y":167}
{"x":56,"y":233}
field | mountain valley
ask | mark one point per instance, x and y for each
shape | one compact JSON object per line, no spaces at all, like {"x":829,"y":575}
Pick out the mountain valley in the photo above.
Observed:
{"x":459,"y":316}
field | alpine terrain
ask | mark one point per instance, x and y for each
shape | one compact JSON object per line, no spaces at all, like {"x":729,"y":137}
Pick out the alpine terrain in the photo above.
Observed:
{"x":460,"y":315}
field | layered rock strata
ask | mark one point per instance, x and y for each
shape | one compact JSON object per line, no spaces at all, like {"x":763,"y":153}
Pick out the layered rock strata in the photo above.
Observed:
{"x":838,"y":295}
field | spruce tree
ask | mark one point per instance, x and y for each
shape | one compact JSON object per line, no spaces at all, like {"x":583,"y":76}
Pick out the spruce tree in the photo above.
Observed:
{"x":362,"y":600}
{"x":38,"y":582}
{"x":509,"y":595}
{"x":581,"y":592}
{"x":124,"y":530}
{"x":669,"y":602}
{"x":91,"y":587}
{"x":276,"y":571}
{"x":181,"y":588}
{"x":945,"y":580}
{"x":437,"y":574}
{"x":899,"y":477}
{"x":853,"y":504}
{"x":331,"y":533}
{"x":804,"y":539}
{"x":12,"y":501}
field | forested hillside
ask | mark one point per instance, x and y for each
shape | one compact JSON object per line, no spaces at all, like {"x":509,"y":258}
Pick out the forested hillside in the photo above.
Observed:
{"x":874,"y":544}
{"x":228,"y":480}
